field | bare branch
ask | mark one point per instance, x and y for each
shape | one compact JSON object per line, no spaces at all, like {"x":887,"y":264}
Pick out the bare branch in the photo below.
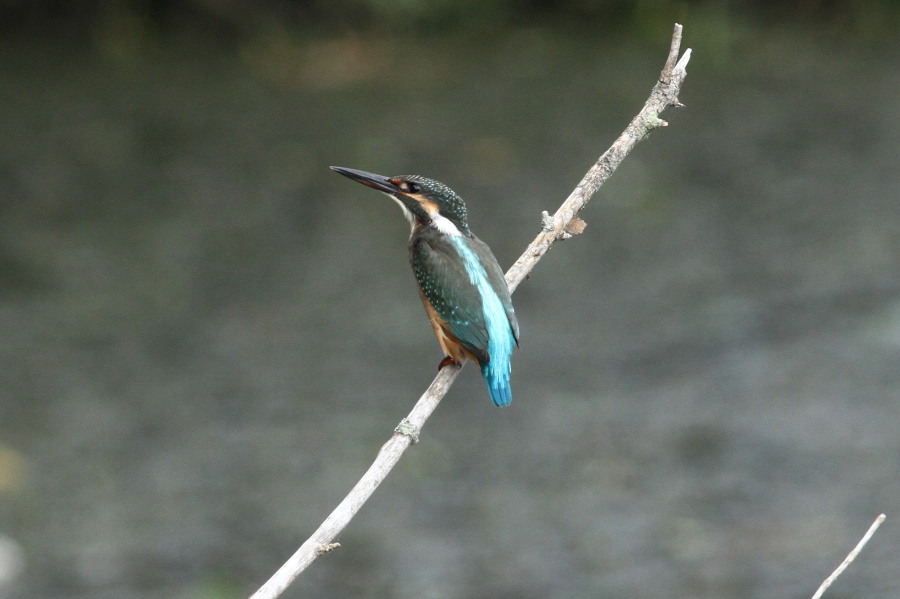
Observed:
{"x":562,"y":225}
{"x":559,"y":226}
{"x":850,"y":557}
{"x":322,"y":541}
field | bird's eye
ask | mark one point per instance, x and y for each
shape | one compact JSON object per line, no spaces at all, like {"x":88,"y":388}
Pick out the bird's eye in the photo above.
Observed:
{"x":410,"y":187}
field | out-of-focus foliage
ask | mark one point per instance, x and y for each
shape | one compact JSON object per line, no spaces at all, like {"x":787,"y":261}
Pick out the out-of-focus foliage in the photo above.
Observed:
{"x":229,"y":18}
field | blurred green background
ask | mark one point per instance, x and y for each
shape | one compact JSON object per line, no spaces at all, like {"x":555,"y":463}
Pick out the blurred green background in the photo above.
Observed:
{"x":206,"y":335}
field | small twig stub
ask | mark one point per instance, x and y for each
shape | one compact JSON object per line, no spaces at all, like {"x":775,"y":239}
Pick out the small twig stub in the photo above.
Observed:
{"x":407,"y":428}
{"x":326,"y":548}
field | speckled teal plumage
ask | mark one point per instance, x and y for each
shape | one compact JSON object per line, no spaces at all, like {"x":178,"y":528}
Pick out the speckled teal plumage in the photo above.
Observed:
{"x":462,"y":281}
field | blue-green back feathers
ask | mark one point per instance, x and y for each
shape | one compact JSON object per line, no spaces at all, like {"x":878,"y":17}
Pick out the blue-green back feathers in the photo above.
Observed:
{"x":462,"y":281}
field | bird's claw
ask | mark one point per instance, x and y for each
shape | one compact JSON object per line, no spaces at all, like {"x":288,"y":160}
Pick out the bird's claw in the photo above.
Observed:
{"x":447,"y":361}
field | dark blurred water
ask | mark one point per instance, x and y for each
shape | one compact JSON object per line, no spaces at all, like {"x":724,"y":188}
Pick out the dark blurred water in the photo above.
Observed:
{"x":205,"y":335}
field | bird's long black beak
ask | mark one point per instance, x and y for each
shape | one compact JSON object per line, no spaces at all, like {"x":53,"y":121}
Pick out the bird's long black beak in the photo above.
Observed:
{"x":379,"y":182}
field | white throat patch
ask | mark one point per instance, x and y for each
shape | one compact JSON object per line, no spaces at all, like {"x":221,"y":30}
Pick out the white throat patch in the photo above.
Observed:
{"x":410,"y":217}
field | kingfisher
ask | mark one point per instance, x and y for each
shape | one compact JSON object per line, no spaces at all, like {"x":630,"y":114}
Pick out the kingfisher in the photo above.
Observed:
{"x":460,"y":283}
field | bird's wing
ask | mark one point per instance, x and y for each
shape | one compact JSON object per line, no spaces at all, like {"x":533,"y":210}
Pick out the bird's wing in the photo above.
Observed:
{"x":447,"y":287}
{"x":497,"y":281}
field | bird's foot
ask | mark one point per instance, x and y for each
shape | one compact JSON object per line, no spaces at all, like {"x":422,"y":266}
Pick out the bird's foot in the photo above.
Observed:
{"x":447,"y":361}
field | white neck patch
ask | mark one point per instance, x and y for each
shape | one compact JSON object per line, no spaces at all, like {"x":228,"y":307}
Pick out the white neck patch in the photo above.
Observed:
{"x":441,"y":223}
{"x":444,"y":225}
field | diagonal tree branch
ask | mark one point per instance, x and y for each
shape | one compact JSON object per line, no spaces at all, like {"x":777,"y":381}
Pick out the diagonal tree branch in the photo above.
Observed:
{"x":850,"y":557}
{"x":562,"y":225}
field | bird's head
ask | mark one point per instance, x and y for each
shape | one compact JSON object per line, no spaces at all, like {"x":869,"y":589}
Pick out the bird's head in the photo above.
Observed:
{"x":425,"y":202}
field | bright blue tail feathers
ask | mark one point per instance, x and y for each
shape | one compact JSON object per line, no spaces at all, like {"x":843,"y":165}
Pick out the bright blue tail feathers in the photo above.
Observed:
{"x":497,"y":384}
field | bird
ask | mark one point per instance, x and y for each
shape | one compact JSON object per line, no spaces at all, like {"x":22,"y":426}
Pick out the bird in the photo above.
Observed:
{"x":460,"y":282}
